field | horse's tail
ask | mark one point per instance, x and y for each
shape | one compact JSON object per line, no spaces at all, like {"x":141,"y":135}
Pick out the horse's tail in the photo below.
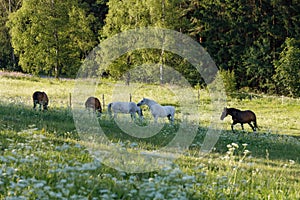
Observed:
{"x":109,"y":108}
{"x":255,"y":122}
{"x":45,"y":101}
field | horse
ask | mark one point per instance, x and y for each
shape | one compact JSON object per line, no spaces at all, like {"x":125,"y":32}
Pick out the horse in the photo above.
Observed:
{"x":241,"y":117}
{"x":125,"y":107}
{"x":40,"y":98}
{"x":94,"y":104}
{"x":157,"y":110}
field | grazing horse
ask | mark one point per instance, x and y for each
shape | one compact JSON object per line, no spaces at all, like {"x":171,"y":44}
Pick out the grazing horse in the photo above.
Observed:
{"x":40,"y":98}
{"x":94,"y":104}
{"x":125,"y":107}
{"x":241,"y":117}
{"x":157,"y":110}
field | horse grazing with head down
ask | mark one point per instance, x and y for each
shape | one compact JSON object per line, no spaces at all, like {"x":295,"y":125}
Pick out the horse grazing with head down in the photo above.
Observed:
{"x":157,"y":110}
{"x":241,"y":117}
{"x":124,"y":107}
{"x":40,"y":98}
{"x":94,"y":104}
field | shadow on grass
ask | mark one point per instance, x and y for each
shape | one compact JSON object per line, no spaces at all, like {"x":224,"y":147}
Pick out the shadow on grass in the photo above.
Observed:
{"x":59,"y":122}
{"x":55,"y":121}
{"x":262,"y":145}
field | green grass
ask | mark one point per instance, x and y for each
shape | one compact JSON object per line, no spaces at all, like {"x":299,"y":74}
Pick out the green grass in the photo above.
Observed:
{"x":43,"y":157}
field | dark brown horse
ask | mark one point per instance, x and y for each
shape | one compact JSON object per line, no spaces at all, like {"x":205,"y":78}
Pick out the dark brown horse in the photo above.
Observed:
{"x":40,"y":98}
{"x":93,"y":103}
{"x":241,"y":117}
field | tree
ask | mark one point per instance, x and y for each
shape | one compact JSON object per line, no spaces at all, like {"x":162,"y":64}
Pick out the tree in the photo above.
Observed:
{"x":97,"y":8}
{"x":287,"y":75}
{"x":244,"y":36}
{"x":131,"y":14}
{"x":257,"y":66}
{"x":8,"y":60}
{"x":51,"y":36}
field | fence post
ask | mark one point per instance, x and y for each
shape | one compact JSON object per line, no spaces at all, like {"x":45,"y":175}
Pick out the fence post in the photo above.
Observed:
{"x":198,"y":96}
{"x":103,"y":101}
{"x":70,"y":100}
{"x":130,"y":97}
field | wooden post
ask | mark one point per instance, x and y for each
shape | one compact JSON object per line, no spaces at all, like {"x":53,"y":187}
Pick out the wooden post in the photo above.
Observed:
{"x":70,"y":100}
{"x":130,"y":97}
{"x":198,"y":96}
{"x":103,"y":101}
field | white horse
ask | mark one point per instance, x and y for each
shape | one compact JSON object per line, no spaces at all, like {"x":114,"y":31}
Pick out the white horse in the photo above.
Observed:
{"x":124,"y":107}
{"x":157,"y":110}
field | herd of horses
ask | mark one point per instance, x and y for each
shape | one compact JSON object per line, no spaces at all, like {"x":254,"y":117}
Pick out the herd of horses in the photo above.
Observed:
{"x":157,"y":110}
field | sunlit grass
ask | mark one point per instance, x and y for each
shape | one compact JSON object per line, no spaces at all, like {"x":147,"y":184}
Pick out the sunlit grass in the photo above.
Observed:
{"x":43,"y":157}
{"x":63,"y":169}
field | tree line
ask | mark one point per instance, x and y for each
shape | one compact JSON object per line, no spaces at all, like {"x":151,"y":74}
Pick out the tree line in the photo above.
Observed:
{"x":254,"y":43}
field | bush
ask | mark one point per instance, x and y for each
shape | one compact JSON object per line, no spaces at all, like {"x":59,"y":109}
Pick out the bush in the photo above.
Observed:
{"x":287,"y":75}
{"x":229,"y":81}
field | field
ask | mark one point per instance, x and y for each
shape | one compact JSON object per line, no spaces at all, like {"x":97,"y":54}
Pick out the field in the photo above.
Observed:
{"x":42,"y":156}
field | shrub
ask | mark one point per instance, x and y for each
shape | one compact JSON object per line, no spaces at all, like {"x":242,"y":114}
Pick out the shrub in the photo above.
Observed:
{"x":287,"y":68}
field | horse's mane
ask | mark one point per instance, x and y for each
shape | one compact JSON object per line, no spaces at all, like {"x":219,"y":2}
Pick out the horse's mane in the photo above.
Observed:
{"x":151,"y":100}
{"x":233,"y":109}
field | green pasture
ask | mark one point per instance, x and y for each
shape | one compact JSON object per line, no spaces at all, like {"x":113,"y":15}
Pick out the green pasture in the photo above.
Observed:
{"x":43,"y":157}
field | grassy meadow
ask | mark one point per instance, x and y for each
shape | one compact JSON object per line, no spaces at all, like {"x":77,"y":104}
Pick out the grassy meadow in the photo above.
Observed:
{"x":43,"y":157}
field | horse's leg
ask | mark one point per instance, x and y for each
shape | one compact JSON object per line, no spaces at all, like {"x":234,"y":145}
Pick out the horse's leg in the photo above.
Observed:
{"x":255,"y":125}
{"x":242,"y":126}
{"x":132,"y":114}
{"x":233,"y":123}
{"x":171,"y":118}
{"x":253,"y":128}
{"x":110,"y":114}
{"x":155,"y":119}
{"x":140,"y":116}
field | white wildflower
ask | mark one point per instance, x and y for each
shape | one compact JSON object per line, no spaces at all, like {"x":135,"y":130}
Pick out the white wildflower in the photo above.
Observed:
{"x":235,"y":145}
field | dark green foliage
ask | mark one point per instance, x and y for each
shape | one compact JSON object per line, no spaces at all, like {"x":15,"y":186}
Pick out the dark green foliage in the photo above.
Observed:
{"x":228,"y":81}
{"x":257,"y":66}
{"x":7,"y":58}
{"x":51,"y":37}
{"x":245,"y":37}
{"x":287,"y":74}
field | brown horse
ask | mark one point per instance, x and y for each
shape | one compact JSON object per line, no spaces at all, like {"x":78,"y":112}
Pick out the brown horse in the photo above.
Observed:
{"x":93,"y":103}
{"x":40,"y":98}
{"x":241,"y":117}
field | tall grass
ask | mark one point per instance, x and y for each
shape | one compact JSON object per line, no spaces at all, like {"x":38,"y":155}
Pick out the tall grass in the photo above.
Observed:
{"x":275,"y":114}
{"x":43,"y":157}
{"x":35,"y":165}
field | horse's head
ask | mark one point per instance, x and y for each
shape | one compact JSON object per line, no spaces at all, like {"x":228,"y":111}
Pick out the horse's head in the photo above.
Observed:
{"x":224,"y":113}
{"x":142,"y":102}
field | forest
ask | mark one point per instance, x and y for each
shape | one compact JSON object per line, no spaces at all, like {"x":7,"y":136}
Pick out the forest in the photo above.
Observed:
{"x":254,"y":43}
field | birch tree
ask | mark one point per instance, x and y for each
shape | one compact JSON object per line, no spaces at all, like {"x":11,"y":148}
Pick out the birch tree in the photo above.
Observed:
{"x":51,"y":36}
